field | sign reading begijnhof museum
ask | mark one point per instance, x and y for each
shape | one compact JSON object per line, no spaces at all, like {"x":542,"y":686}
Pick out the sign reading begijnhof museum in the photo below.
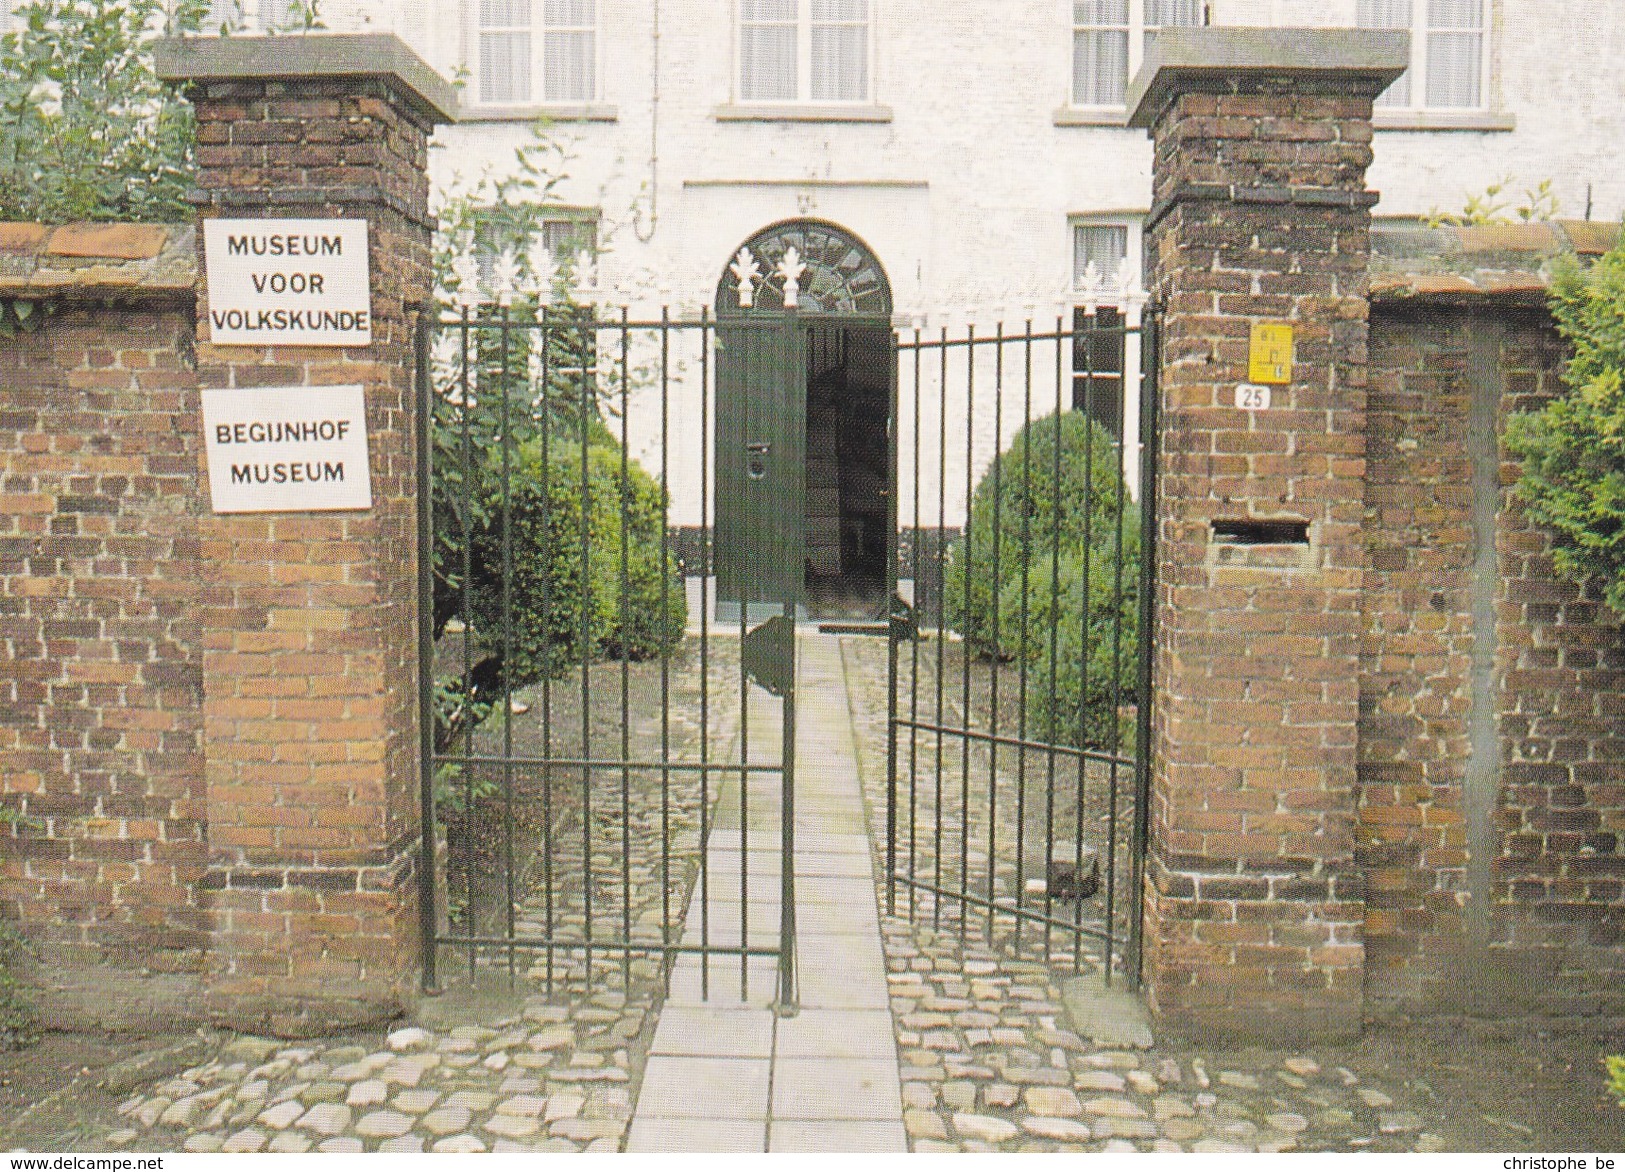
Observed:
{"x":287,"y":449}
{"x":288,"y":282}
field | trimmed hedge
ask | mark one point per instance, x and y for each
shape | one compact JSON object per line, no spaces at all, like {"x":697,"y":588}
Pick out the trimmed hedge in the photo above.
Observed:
{"x":1059,"y":490}
{"x":549,"y":596}
{"x":542,"y":609}
{"x":1043,"y":497}
{"x":1095,"y":658}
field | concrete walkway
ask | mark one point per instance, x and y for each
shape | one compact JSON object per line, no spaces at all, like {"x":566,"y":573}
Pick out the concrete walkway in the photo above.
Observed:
{"x":726,"y":1073}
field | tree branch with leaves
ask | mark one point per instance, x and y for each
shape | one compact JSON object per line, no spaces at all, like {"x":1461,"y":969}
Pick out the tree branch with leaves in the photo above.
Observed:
{"x":1573,"y":448}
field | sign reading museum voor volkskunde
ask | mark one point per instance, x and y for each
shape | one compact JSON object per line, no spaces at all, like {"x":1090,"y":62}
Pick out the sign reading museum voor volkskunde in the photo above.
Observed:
{"x":287,"y":449}
{"x":288,"y":282}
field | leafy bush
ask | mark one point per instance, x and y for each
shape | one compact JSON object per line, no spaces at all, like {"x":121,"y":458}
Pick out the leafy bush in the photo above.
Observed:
{"x":18,"y":1024}
{"x":549,"y":596}
{"x":1044,"y":497}
{"x":1059,"y":490}
{"x":1573,"y":449}
{"x":1616,"y":1076}
{"x":1540,"y":205}
{"x":539,"y":536}
{"x":87,"y":131}
{"x":1094,"y":666}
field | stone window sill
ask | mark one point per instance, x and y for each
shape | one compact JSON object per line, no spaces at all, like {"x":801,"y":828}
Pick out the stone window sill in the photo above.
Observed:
{"x":556,"y":111}
{"x":1443,"y":120}
{"x":743,"y":112}
{"x":1084,"y":116}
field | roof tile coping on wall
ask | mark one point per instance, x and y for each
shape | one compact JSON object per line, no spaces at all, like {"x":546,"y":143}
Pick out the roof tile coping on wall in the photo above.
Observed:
{"x":86,"y":261}
{"x":1511,"y":262}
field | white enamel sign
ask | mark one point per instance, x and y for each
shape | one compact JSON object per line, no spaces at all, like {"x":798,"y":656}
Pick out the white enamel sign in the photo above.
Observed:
{"x":1252,"y":397}
{"x":287,"y":449}
{"x":288,"y":282}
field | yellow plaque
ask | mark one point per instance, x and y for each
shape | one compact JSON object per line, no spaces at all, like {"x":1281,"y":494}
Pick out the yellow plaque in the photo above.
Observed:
{"x":1269,"y":357}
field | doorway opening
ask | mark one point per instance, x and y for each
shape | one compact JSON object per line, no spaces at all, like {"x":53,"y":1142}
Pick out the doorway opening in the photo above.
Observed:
{"x":848,"y":506}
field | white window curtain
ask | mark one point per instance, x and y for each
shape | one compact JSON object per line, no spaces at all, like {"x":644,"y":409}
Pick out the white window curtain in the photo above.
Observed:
{"x":1101,"y":245}
{"x":767,"y":50}
{"x":249,"y":15}
{"x":840,"y":50}
{"x":1099,"y":52}
{"x":1161,"y":14}
{"x":565,"y":238}
{"x":505,"y":51}
{"x":1109,"y":40}
{"x":1447,"y":51}
{"x":803,"y":50}
{"x":1455,"y":53}
{"x":569,"y":52}
{"x":1389,"y":14}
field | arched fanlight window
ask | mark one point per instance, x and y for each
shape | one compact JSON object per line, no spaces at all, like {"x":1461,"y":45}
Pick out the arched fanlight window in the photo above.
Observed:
{"x":841,"y":275}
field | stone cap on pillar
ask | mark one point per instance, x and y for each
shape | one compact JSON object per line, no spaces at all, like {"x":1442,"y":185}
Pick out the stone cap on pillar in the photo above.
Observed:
{"x":1355,"y":62}
{"x":311,"y":55}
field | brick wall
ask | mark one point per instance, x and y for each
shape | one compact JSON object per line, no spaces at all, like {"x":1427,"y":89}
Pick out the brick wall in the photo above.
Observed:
{"x":1416,"y":656}
{"x":1558,"y":880}
{"x":1550,"y":774}
{"x":211,"y":722}
{"x":101,"y":702}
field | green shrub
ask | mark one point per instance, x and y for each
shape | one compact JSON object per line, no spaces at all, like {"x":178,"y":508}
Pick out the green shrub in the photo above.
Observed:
{"x":1094,"y":666}
{"x":1616,"y":1076}
{"x":87,"y":131}
{"x":1054,"y":493}
{"x":1573,"y":449}
{"x":18,"y":1023}
{"x":1043,"y":498}
{"x":549,"y":596}
{"x":539,"y":535}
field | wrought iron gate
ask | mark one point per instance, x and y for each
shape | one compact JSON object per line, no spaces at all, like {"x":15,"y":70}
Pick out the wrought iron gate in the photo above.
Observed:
{"x":1019,"y":667}
{"x":607,"y":774}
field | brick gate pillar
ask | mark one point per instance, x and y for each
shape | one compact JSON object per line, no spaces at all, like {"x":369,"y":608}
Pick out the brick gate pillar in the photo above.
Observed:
{"x":309,"y":621}
{"x":1259,"y":215}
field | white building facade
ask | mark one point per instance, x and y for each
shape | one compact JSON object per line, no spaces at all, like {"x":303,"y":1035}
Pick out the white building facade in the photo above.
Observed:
{"x":979,"y":151}
{"x":968,"y":144}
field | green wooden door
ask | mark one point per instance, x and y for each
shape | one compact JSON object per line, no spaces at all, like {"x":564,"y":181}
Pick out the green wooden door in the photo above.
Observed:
{"x":761,"y":406}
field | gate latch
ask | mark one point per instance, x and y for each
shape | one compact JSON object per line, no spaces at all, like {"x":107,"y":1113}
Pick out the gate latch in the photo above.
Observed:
{"x":756,"y":464}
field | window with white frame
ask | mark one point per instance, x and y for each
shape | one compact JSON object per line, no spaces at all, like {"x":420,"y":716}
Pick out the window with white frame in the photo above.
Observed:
{"x":1448,"y":58}
{"x":804,"y":50}
{"x":1098,"y":338}
{"x":564,"y":232}
{"x":1109,"y":40}
{"x":530,"y":51}
{"x":254,"y":15}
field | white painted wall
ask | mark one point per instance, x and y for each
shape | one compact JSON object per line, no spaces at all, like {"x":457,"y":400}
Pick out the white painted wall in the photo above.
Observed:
{"x":965,"y":194}
{"x":973,"y":89}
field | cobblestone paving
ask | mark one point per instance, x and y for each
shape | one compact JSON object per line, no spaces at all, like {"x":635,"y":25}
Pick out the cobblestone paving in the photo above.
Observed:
{"x":987,"y":1058}
{"x":989,"y":1063}
{"x":556,"y":1078}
